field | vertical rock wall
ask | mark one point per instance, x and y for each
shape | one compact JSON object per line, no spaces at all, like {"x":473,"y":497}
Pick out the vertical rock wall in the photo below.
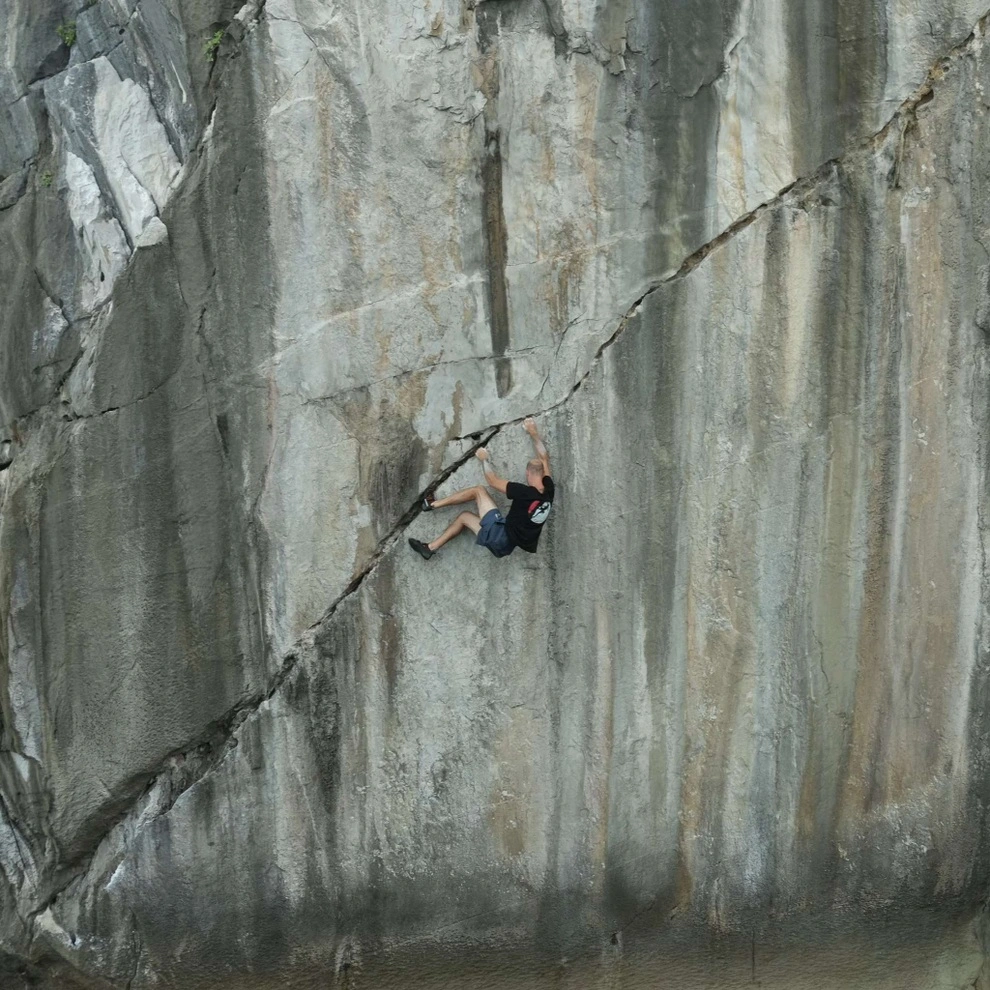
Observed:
{"x":732,"y":719}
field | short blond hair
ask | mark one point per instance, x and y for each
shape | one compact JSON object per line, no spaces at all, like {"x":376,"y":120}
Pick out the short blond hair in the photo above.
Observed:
{"x":535,"y":465}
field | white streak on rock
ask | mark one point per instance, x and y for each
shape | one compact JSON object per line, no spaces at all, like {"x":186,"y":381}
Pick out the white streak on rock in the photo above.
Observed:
{"x":133,"y":147}
{"x":104,"y":247}
{"x":46,"y":336}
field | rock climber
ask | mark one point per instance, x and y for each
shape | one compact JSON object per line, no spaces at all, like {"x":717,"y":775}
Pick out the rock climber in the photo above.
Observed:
{"x":501,"y":534}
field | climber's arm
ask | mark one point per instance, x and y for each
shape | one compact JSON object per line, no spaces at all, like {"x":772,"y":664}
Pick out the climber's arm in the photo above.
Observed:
{"x":541,"y":451}
{"x":491,"y":478}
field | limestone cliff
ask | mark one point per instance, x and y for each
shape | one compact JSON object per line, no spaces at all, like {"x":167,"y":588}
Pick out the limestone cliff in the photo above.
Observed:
{"x":268,"y":273}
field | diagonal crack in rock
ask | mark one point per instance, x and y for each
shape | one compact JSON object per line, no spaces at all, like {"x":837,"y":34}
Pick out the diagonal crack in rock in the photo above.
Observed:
{"x":902,"y":117}
{"x":186,"y":766}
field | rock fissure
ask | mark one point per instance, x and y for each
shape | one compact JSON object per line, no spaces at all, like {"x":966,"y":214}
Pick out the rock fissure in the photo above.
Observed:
{"x":796,"y":189}
{"x":182,"y":768}
{"x":253,"y":519}
{"x":72,"y":417}
{"x":57,"y":303}
{"x":496,"y":242}
{"x":207,"y":751}
{"x":693,"y":261}
{"x":14,"y":198}
{"x":12,"y":824}
{"x":209,"y":748}
{"x":923,"y":94}
{"x":256,"y":8}
{"x":555,"y":21}
{"x":281,"y":96}
{"x":204,"y":345}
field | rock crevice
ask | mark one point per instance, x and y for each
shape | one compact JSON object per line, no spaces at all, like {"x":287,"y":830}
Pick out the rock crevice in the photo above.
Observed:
{"x":739,"y":689}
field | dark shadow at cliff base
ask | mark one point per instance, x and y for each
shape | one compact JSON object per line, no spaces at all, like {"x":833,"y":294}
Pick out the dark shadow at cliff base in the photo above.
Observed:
{"x":825,"y":952}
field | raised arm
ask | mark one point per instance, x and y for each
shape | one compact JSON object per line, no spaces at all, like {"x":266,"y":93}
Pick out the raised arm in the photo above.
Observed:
{"x":491,"y":478}
{"x":529,"y":425}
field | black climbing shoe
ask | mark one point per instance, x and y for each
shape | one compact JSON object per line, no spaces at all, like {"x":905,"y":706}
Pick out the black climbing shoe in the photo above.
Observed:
{"x":421,"y":548}
{"x":428,"y":502}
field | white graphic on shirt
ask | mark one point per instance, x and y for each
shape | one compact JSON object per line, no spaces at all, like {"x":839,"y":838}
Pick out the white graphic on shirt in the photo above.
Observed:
{"x":540,"y":516}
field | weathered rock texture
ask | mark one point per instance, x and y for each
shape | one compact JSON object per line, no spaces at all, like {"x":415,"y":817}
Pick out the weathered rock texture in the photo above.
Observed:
{"x":730,"y":727}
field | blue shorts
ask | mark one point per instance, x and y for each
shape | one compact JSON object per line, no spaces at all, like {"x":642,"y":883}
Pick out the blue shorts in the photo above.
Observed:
{"x":493,"y":534}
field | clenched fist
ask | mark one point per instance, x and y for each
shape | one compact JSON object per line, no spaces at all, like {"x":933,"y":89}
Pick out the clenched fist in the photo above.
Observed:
{"x":481,"y":454}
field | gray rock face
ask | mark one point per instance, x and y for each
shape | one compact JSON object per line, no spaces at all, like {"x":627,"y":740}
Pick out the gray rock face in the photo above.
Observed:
{"x":729,"y":726}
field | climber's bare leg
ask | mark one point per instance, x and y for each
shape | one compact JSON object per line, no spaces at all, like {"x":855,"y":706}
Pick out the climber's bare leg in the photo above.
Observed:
{"x":477,"y":494}
{"x":466,"y":520}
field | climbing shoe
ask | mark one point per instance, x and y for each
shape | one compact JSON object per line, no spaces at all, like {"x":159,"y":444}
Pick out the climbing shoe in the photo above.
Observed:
{"x":421,"y":548}
{"x":428,"y":502}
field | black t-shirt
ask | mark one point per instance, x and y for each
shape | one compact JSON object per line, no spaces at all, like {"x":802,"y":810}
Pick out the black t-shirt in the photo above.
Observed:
{"x":528,"y":513}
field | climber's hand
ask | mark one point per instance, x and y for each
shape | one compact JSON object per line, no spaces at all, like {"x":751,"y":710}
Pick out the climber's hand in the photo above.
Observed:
{"x":481,"y":454}
{"x":529,"y":425}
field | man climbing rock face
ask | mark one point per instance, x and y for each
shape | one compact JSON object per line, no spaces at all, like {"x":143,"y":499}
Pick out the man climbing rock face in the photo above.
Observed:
{"x":501,"y":534}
